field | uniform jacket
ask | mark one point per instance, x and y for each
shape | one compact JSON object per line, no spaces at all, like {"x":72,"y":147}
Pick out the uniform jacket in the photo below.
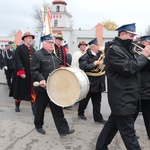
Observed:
{"x":9,"y":59}
{"x":86,"y":63}
{"x":61,"y":53}
{"x":69,"y":59}
{"x":145,"y":82}
{"x":123,"y":78}
{"x":42,"y":64}
{"x":1,"y":58}
{"x":21,"y":88}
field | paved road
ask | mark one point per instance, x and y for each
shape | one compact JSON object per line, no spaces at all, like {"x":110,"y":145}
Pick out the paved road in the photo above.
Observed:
{"x":17,"y":130}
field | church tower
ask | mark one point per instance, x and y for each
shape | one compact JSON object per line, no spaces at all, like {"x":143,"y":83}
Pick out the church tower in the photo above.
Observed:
{"x":60,"y":17}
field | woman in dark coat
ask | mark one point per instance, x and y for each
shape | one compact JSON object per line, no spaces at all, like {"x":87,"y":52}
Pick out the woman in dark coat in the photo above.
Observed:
{"x":22,"y":88}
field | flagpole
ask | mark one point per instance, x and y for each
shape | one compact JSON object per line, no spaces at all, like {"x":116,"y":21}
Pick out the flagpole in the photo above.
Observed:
{"x":49,"y":23}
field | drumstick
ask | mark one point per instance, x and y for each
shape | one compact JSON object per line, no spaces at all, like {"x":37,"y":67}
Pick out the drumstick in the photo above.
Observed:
{"x":37,"y":84}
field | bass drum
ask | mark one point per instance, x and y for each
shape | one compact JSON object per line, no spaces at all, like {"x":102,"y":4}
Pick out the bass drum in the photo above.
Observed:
{"x":66,"y":86}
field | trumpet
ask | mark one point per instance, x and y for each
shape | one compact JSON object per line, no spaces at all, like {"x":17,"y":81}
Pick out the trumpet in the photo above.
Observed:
{"x":138,"y":48}
{"x":99,"y":70}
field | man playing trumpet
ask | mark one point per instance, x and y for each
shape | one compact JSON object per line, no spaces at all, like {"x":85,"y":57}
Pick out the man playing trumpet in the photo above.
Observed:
{"x":123,"y":79}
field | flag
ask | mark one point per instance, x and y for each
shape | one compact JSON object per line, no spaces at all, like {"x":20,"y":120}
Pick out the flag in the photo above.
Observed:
{"x":46,"y":25}
{"x":40,"y":45}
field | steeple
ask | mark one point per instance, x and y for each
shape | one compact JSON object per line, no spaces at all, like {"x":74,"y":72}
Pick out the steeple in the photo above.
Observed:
{"x":61,"y":18}
{"x":59,"y":2}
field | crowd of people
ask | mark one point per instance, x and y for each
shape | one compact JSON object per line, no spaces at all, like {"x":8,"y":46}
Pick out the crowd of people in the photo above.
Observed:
{"x":126,"y":65}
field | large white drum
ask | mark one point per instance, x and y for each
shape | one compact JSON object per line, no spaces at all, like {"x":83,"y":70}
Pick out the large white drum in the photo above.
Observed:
{"x":66,"y":86}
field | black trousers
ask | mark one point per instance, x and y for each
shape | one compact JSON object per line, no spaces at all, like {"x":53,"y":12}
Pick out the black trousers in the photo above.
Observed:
{"x":145,"y":107}
{"x":9,"y":76}
{"x":42,"y":100}
{"x":123,"y":124}
{"x":96,"y":102}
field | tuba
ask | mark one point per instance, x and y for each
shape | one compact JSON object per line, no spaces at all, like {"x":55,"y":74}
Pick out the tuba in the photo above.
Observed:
{"x":99,"y":70}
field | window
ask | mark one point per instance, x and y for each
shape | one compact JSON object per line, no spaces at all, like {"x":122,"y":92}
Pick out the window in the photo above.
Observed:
{"x":55,"y":23}
{"x":57,"y":8}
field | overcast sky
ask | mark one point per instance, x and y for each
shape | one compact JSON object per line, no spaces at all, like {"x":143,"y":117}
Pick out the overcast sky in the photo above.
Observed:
{"x":17,"y":14}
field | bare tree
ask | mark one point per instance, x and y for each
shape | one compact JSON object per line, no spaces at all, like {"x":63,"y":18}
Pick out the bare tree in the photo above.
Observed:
{"x":38,"y":10}
{"x":13,"y":32}
{"x":147,"y":31}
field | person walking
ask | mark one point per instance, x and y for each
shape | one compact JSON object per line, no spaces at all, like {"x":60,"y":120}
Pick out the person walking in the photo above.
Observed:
{"x":89,"y":64}
{"x":43,"y":62}
{"x":123,"y":79}
{"x":22,"y":87}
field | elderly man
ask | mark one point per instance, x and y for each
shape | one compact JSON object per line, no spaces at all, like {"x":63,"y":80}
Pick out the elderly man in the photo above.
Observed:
{"x":43,"y":63}
{"x":88,"y":62}
{"x":123,"y":78}
{"x":75,"y":57}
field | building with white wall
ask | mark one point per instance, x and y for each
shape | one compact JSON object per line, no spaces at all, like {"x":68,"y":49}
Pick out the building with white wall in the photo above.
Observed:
{"x":62,"y":23}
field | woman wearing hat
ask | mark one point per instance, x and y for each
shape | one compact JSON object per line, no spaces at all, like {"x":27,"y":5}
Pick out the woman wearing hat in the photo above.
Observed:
{"x":22,"y":88}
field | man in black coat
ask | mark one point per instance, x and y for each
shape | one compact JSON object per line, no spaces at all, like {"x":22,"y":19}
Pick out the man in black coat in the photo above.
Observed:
{"x":43,"y":63}
{"x":123,"y":78}
{"x":22,"y":88}
{"x":68,"y":55}
{"x":9,"y":63}
{"x":60,"y":50}
{"x":1,"y":57}
{"x":88,"y":62}
{"x":145,"y":88}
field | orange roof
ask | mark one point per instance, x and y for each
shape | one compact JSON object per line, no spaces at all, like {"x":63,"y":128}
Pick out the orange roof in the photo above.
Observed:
{"x":59,"y":2}
{"x":57,"y":31}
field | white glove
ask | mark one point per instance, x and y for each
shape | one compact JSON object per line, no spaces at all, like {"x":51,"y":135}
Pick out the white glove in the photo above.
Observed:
{"x":6,"y":68}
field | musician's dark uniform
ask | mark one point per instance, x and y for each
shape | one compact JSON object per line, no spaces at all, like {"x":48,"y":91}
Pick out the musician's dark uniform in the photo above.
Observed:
{"x":145,"y":96}
{"x":42,"y":64}
{"x":97,"y":85}
{"x":9,"y":62}
{"x":123,"y":78}
{"x":1,"y":58}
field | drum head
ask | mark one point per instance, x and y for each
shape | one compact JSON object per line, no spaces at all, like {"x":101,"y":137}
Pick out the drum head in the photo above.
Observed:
{"x":63,"y":87}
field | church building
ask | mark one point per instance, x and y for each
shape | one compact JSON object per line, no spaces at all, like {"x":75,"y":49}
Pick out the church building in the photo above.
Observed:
{"x":62,"y":23}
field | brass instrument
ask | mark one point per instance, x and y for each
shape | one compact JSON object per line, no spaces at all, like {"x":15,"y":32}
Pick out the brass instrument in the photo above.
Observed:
{"x":99,"y":71}
{"x":138,"y":49}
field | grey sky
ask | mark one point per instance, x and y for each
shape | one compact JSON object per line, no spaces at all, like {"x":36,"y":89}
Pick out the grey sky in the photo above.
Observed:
{"x":17,"y":14}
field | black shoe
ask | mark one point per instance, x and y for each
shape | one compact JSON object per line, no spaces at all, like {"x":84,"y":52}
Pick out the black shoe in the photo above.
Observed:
{"x":82,"y":117}
{"x":17,"y":109}
{"x":68,"y":132}
{"x":101,"y":121}
{"x":40,"y":130}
